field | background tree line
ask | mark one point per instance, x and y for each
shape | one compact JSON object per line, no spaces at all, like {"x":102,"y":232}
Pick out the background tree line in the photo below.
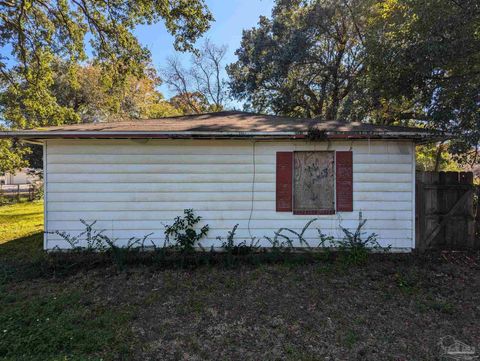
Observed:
{"x":410,"y":62}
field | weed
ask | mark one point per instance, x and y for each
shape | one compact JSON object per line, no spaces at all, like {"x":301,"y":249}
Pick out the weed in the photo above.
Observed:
{"x":121,"y":255}
{"x":356,"y":246}
{"x":406,"y":283}
{"x":183,"y":237}
{"x":240,"y":248}
{"x":233,"y":249}
{"x":351,"y":338}
{"x":94,"y":239}
{"x":288,"y":241}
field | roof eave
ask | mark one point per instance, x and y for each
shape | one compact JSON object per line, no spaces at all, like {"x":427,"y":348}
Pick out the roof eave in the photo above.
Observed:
{"x":39,"y":135}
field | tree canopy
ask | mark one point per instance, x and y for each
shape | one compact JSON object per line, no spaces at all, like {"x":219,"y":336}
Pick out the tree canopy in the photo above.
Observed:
{"x":304,"y":61}
{"x":409,"y":62}
{"x":91,"y":97}
{"x":38,"y":32}
{"x":95,"y":97}
{"x":424,"y":64}
{"x":391,"y":61}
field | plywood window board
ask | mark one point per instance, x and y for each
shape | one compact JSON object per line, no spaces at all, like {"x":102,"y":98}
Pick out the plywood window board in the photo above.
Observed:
{"x":314,"y":182}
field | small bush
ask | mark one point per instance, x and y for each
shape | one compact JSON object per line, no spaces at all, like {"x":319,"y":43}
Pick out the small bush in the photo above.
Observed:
{"x":37,"y":183}
{"x":183,"y":232}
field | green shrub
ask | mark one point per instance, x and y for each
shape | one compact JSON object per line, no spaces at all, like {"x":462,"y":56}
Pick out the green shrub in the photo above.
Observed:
{"x":182,"y":231}
{"x":183,"y":237}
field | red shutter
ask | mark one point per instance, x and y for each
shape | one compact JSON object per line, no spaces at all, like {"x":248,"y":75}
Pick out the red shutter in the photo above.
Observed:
{"x":344,"y":177}
{"x":284,"y":181}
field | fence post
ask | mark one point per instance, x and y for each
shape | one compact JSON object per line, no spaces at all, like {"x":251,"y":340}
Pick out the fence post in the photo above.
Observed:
{"x":477,"y":218}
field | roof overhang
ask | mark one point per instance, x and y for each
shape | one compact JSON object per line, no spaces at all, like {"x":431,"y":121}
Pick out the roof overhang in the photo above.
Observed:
{"x":33,"y":135}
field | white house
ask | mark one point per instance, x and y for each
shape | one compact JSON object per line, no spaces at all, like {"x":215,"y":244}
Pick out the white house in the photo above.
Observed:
{"x":20,"y":177}
{"x":262,"y":172}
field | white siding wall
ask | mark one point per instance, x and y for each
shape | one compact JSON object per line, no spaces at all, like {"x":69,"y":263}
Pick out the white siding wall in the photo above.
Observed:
{"x":131,"y":188}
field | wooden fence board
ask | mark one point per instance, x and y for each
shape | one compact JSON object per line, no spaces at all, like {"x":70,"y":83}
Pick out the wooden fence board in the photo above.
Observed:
{"x":445,"y":214}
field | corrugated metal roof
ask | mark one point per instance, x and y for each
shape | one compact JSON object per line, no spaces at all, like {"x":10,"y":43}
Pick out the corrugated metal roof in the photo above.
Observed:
{"x":222,"y":124}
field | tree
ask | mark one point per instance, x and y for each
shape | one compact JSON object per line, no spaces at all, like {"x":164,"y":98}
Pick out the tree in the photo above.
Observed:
{"x":38,"y":31}
{"x":424,"y":56}
{"x":87,"y":96}
{"x":11,"y":156}
{"x":202,"y":83}
{"x":435,"y":158}
{"x":207,"y":74}
{"x":95,"y":97}
{"x":305,"y":61}
{"x":191,"y":103}
{"x":411,"y":62}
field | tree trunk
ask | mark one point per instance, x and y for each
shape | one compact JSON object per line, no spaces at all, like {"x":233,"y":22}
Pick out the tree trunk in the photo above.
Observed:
{"x":438,"y":157}
{"x":332,"y":109}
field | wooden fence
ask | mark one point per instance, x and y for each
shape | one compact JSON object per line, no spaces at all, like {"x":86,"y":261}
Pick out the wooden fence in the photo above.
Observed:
{"x":446,"y":211}
{"x":16,"y":191}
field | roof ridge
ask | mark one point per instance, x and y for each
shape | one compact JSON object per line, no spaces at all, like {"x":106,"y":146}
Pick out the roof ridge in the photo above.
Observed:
{"x":200,"y":114}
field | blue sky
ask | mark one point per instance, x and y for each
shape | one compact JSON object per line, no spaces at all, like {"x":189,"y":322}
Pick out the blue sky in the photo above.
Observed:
{"x":231,"y":17}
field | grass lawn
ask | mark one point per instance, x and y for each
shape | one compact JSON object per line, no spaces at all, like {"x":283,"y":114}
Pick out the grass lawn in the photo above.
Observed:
{"x":20,"y":220}
{"x":43,"y":317}
{"x":394,"y":307}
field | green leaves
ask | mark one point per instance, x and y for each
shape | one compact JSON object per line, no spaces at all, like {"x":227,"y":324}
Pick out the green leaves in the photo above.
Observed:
{"x":40,"y":33}
{"x":304,"y":62}
{"x":183,"y":232}
{"x":425,"y":56}
{"x":11,"y":156}
{"x":406,"y":62}
{"x":44,"y":80}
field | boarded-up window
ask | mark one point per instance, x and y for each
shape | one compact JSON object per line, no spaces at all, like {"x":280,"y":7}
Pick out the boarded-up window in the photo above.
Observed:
{"x":313,"y":189}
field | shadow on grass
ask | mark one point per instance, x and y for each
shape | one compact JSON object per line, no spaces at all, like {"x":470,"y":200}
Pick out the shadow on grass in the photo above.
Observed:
{"x":23,"y":248}
{"x":21,"y":258}
{"x":24,"y":258}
